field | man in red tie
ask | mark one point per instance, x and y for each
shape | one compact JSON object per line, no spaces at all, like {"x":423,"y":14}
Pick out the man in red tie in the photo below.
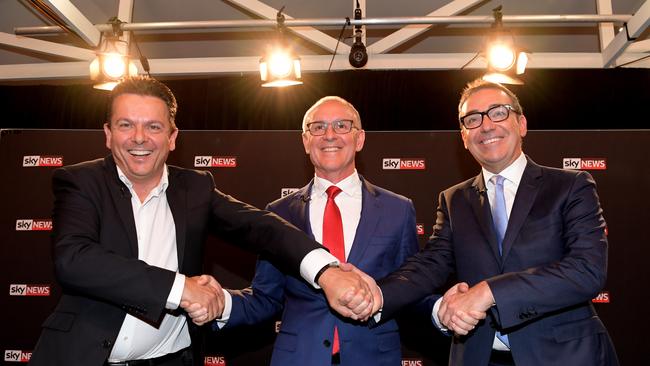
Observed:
{"x":359,"y":223}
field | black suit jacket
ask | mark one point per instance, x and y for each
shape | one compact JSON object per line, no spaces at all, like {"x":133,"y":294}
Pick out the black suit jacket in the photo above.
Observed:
{"x":96,"y":254}
{"x":554,"y":262}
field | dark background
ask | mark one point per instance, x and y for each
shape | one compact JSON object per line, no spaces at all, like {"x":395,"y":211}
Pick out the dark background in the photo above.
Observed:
{"x":268,"y":161}
{"x":559,"y":104}
{"x":393,"y":100}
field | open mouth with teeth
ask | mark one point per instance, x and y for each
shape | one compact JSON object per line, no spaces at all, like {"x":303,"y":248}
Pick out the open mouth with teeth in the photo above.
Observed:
{"x":491,"y":140}
{"x":138,"y":153}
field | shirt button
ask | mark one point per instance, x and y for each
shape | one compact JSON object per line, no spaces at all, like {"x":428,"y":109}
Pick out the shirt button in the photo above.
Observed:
{"x":327,"y":343}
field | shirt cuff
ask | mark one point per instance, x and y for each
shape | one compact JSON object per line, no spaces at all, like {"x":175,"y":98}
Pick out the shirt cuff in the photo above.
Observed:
{"x":313,"y":262}
{"x":176,"y":293}
{"x":434,"y":316}
{"x":227,"y":310}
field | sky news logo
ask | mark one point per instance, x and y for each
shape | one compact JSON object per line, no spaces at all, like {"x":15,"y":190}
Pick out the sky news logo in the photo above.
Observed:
{"x":214,"y":361}
{"x":29,"y":290}
{"x":419,"y":228}
{"x":584,"y":163}
{"x":17,"y":356}
{"x":602,"y":298}
{"x":403,"y":164}
{"x":215,"y":161}
{"x":33,"y":225}
{"x":412,"y":362}
{"x":287,"y":191}
{"x":37,"y":160}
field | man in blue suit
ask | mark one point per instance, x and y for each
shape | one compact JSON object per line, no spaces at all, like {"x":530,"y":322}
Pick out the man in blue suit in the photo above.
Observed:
{"x":529,"y":240}
{"x":379,"y":234}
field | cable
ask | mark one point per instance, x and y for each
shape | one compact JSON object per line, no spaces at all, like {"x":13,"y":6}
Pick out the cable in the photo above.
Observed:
{"x":347,"y":22}
{"x":470,"y":61}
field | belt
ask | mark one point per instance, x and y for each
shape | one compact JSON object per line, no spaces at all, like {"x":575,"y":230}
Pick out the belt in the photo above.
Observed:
{"x":336,"y":358}
{"x":184,"y":354}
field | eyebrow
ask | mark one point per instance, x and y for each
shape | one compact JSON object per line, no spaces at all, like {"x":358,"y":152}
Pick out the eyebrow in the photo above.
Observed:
{"x":490,"y":106}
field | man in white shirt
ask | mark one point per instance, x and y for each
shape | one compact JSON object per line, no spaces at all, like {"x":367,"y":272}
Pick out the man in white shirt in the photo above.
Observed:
{"x":378,"y":232}
{"x":128,"y":237}
{"x":528,"y":243}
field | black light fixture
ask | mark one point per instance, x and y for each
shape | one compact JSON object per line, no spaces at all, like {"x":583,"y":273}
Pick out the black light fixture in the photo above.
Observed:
{"x":505,"y":61}
{"x":358,"y":55}
{"x":112,"y":63}
{"x":280,"y":67}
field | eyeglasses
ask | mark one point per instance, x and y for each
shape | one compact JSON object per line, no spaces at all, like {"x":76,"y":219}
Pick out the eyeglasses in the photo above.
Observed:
{"x":340,"y":127}
{"x":497,"y":113}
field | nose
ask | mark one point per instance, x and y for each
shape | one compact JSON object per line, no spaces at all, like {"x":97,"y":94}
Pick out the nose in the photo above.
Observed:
{"x":329,"y":132}
{"x":139,"y":135}
{"x":487,"y":123}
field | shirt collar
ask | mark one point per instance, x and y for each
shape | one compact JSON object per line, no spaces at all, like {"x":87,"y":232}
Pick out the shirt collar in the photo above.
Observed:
{"x":350,"y":186}
{"x":156,"y":191}
{"x":512,"y":172}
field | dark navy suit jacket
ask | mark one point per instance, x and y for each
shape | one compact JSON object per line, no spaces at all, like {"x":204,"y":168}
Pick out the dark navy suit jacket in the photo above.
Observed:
{"x":385,"y":237}
{"x":554,"y":262}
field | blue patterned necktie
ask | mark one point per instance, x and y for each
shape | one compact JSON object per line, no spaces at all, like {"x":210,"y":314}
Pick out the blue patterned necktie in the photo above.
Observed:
{"x":500,"y":218}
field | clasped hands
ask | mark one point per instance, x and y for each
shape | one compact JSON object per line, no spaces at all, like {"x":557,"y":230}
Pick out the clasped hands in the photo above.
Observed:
{"x":349,"y":291}
{"x":202,"y":298}
{"x":463,"y":307}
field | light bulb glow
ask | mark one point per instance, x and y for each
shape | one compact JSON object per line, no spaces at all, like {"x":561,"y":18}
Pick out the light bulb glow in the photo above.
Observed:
{"x":501,"y":57}
{"x":280,"y":64}
{"x":114,"y":65}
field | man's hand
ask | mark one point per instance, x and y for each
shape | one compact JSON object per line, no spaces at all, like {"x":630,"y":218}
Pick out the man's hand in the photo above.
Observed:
{"x":202,"y":298}
{"x":377,"y":298}
{"x":463,"y":307}
{"x":347,"y":293}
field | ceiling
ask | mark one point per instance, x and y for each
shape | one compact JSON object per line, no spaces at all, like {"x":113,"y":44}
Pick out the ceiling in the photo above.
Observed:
{"x":456,"y":30}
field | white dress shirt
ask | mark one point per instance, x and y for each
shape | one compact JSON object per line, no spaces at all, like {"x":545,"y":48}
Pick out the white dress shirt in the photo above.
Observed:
{"x":156,"y":234}
{"x":512,"y":174}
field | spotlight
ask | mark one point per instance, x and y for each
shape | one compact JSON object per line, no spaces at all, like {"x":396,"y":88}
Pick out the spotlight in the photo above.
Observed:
{"x":358,"y":54}
{"x":109,"y":67}
{"x":280,"y":67}
{"x":112,"y":63}
{"x":504,"y":61}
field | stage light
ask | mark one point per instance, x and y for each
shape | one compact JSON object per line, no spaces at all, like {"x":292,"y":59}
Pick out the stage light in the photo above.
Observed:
{"x":112,"y":63}
{"x":504,"y":60}
{"x":280,"y":67}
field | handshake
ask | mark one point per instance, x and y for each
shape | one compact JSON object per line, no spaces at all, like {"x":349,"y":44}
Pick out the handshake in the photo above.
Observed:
{"x":349,"y":291}
{"x":463,"y":307}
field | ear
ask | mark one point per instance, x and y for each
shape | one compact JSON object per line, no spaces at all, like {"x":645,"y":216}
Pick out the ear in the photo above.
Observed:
{"x":107,"y":132}
{"x":172,"y":140}
{"x":306,"y":140}
{"x":360,"y":139}
{"x":463,"y":134}
{"x":523,"y":125}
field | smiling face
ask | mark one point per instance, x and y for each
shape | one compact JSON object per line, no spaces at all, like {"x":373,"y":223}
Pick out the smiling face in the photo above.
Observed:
{"x":333,"y":154}
{"x":140,"y":137}
{"x":495,"y":145}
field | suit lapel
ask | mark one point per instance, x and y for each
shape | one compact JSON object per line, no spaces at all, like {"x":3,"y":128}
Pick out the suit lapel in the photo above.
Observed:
{"x":299,"y":209}
{"x":478,"y":197}
{"x":177,"y":199}
{"x":528,"y":187}
{"x":121,"y":197}
{"x":370,"y":215}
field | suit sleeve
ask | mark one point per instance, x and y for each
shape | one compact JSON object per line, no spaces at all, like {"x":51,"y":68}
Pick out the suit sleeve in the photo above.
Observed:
{"x":260,"y":231}
{"x":87,"y":267}
{"x":262,"y":300}
{"x":575,"y":278}
{"x":422,"y":273}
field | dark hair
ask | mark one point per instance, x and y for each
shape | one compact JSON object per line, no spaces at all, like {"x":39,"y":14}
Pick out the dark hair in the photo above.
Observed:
{"x":480,"y":84}
{"x":146,"y":86}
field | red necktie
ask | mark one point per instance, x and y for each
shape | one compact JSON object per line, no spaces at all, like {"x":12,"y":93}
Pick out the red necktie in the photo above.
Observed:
{"x":333,"y":239}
